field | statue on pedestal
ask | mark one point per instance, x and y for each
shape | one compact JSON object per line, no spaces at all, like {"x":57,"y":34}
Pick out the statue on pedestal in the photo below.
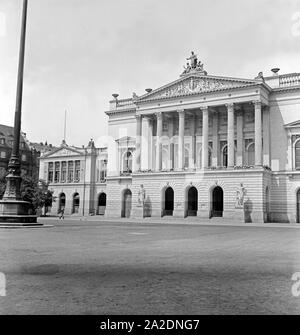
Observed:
{"x":141,"y":196}
{"x":240,"y":197}
{"x":187,"y":68}
{"x":194,"y":60}
{"x":194,"y":66}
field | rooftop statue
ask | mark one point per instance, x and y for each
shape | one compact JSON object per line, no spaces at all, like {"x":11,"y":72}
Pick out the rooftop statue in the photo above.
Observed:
{"x":187,"y":68}
{"x":194,"y":60}
{"x":194,"y":65}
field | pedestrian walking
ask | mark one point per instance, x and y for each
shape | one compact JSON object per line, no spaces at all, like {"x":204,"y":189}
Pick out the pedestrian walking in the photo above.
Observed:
{"x":62,"y":214}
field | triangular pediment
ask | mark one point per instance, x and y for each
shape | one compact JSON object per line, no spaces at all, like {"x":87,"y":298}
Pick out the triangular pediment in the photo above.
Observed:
{"x":295,"y":124}
{"x":125,"y":139}
{"x":63,"y":152}
{"x":196,"y":84}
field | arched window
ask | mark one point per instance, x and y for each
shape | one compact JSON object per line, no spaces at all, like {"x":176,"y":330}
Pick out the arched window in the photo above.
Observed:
{"x":250,"y":154}
{"x":127,"y":162}
{"x":297,"y":155}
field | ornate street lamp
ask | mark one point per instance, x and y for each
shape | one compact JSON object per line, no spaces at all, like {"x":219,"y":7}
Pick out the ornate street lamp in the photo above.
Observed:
{"x":14,"y":211}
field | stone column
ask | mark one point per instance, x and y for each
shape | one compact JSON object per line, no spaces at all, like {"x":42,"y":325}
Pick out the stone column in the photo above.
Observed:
{"x":192,"y":159}
{"x":171,"y":144}
{"x":216,"y":143}
{"x":230,"y":134}
{"x":181,"y":140}
{"x":258,"y":135}
{"x":205,"y":137}
{"x":240,"y":138}
{"x":138,"y":143}
{"x":150,"y":143}
{"x":266,"y":136}
{"x":158,"y":141}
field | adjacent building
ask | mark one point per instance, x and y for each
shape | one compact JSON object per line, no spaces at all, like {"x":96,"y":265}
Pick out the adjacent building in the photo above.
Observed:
{"x":77,"y":177}
{"x":29,"y":156}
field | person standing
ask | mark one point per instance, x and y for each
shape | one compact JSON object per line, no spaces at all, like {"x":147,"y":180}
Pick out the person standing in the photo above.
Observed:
{"x":62,"y":214}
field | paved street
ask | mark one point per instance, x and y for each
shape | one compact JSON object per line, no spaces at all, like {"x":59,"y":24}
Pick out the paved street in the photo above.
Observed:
{"x":117,"y":268}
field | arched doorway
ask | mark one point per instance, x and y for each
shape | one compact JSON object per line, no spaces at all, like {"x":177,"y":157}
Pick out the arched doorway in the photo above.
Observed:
{"x":298,"y":206}
{"x":217,"y":202}
{"x":76,"y":203}
{"x":101,"y":204}
{"x":126,"y":204}
{"x":192,"y":206}
{"x":169,"y":202}
{"x":61,"y":202}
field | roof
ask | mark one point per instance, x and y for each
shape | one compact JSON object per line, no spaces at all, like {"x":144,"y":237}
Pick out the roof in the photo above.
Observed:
{"x":8,"y":133}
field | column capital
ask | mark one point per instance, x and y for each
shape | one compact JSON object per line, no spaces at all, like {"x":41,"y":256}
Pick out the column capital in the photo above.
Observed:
{"x":204,"y":108}
{"x":181,"y":112}
{"x":257,"y":103}
{"x":138,"y":117}
{"x":230,"y":106}
{"x":158,"y":115}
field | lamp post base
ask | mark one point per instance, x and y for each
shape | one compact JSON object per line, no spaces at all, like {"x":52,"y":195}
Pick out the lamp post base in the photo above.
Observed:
{"x":16,"y":213}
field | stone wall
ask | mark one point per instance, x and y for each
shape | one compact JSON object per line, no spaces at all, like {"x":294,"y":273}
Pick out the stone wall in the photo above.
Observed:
{"x":155,"y":185}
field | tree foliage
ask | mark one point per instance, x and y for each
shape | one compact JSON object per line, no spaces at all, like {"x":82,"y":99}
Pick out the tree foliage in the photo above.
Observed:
{"x":33,"y":191}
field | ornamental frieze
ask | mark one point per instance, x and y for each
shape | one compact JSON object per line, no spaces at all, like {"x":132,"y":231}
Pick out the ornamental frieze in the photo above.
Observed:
{"x":195,"y":85}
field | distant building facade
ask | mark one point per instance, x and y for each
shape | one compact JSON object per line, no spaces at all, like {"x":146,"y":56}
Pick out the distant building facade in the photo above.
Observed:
{"x":77,"y":177}
{"x":29,"y":156}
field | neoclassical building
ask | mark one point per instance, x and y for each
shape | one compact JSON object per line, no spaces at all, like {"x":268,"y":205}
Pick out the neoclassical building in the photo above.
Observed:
{"x":201,"y":146}
{"x":207,"y":146}
{"x":77,"y":177}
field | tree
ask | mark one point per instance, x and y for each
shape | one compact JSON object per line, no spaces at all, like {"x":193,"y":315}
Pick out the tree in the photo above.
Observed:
{"x":34,"y":191}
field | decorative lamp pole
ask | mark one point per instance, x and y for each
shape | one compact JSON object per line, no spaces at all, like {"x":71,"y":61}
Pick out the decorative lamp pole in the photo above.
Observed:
{"x":12,"y":209}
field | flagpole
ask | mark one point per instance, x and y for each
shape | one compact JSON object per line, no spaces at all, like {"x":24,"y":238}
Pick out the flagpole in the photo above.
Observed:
{"x":65,"y":128}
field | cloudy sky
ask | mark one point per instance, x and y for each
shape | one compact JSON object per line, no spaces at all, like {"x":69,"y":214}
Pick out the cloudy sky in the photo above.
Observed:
{"x":79,"y":52}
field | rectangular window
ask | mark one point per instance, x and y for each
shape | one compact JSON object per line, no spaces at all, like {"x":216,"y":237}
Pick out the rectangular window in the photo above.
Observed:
{"x":50,"y":173}
{"x":77,"y":171}
{"x":57,"y":172}
{"x":70,"y":172}
{"x":103,"y":171}
{"x":3,"y":154}
{"x":297,"y":158}
{"x":24,"y":158}
{"x":64,"y":172}
{"x":186,"y":124}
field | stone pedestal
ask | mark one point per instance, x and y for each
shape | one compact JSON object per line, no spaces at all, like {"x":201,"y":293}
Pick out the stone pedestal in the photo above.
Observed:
{"x":237,"y":215}
{"x":138,"y":212}
{"x":16,"y":213}
{"x":179,"y":213}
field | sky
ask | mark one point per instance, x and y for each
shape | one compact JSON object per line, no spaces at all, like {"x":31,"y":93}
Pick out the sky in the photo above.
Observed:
{"x":80,"y":52}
